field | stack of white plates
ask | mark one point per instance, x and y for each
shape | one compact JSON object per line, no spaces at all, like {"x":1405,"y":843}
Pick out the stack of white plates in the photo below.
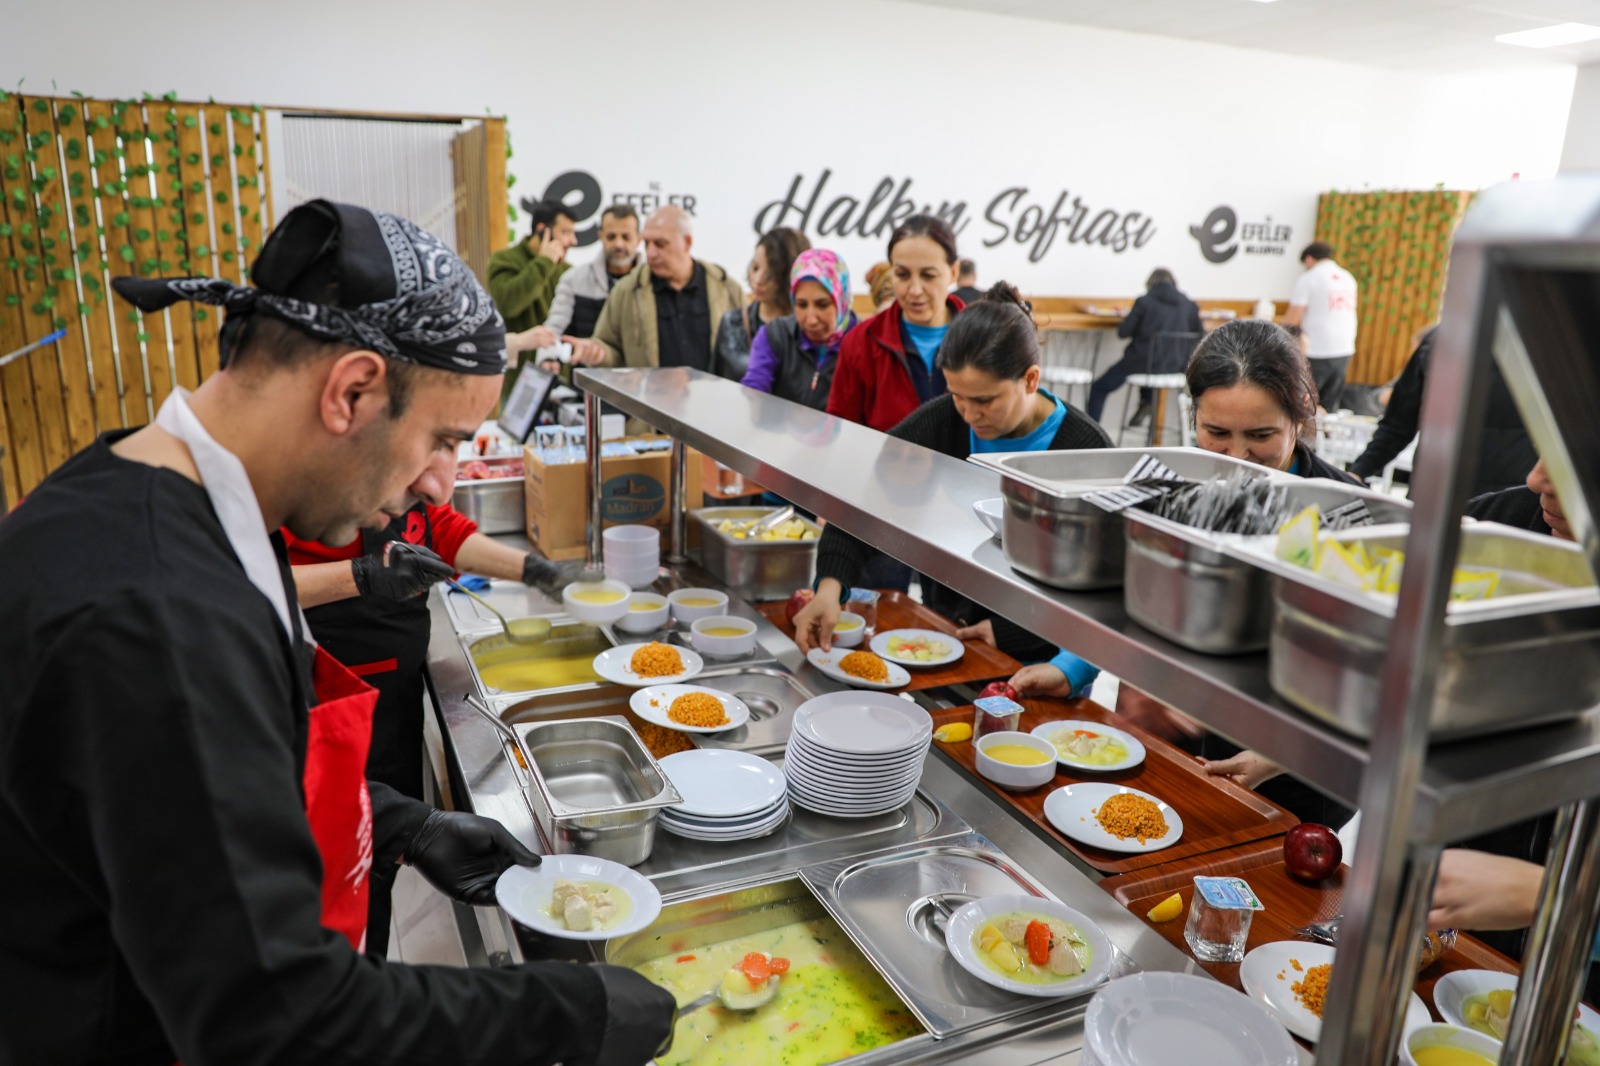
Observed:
{"x":727,"y":795}
{"x":856,"y":754}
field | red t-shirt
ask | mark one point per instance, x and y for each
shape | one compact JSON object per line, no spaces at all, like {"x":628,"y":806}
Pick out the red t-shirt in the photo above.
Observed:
{"x":450,"y":529}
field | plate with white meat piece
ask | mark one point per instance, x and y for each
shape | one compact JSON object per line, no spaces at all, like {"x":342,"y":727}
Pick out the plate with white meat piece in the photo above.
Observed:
{"x":1029,"y":945}
{"x":1091,"y":746}
{"x":578,"y":897}
{"x":917,"y":648}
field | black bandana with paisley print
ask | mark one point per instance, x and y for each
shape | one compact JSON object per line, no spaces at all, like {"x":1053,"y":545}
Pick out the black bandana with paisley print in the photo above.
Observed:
{"x":399,"y":291}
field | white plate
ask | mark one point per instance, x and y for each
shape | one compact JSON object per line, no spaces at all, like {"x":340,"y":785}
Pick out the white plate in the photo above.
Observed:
{"x":1162,"y":1017}
{"x":863,"y":723}
{"x":880,"y":645}
{"x":828,"y":663}
{"x":702,"y":825}
{"x":817,"y":807}
{"x":524,"y":892}
{"x":612,"y":664}
{"x":1071,"y":808}
{"x":992,"y":513}
{"x":722,"y":783}
{"x":847,"y":785}
{"x":695,"y":831}
{"x":1454,"y":988}
{"x":704,"y":822}
{"x":810,"y":752}
{"x":1128,"y":740}
{"x":966,"y":922}
{"x":1259,"y":976}
{"x":863,"y":800}
{"x":663,"y":695}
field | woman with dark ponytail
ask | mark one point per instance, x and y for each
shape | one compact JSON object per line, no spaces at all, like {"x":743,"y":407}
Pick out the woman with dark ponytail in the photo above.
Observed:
{"x":990,"y":401}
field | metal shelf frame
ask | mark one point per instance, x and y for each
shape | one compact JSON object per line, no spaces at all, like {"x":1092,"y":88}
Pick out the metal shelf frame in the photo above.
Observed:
{"x":1528,"y":256}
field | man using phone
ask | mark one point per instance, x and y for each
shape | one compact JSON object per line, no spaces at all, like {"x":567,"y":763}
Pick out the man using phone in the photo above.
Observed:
{"x":522,"y":278}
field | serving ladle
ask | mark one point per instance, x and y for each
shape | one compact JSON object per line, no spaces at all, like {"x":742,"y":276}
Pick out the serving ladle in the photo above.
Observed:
{"x":754,"y":1001}
{"x":518,"y":631}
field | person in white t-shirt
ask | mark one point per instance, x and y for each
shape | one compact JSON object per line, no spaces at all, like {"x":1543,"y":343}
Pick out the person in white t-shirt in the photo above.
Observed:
{"x":1323,"y":306}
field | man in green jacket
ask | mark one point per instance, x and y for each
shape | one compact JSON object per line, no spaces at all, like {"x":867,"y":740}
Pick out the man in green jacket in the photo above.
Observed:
{"x":667,"y":310}
{"x":522,"y":278}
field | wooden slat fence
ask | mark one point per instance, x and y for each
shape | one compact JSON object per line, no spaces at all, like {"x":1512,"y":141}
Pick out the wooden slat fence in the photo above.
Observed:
{"x":91,"y":189}
{"x":1397,"y":245}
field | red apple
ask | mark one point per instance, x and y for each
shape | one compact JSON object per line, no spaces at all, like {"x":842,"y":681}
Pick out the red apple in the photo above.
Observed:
{"x":1312,"y":852}
{"x":796,"y":603}
{"x":999,"y":688}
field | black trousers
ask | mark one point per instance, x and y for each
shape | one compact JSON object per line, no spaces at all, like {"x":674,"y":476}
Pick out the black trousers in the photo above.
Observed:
{"x":1329,"y":376}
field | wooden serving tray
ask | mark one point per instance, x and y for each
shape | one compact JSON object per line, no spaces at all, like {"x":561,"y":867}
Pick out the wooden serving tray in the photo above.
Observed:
{"x":1216,"y":813}
{"x":896,"y":610}
{"x":1290,"y":904}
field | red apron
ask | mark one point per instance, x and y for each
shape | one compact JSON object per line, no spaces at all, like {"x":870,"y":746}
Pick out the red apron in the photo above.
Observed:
{"x":337,"y":804}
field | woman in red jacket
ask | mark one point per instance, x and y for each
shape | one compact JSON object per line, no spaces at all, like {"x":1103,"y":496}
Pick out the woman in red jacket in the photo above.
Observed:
{"x":886,"y":364}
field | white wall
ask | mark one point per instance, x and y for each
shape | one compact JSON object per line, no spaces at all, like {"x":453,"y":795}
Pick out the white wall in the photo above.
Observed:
{"x":1582,"y":148}
{"x":728,"y":101}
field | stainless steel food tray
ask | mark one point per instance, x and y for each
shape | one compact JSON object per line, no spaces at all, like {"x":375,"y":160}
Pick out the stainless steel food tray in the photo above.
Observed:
{"x":1508,"y":662}
{"x":1053,"y":535}
{"x":755,"y":569}
{"x":594,"y":787}
{"x":1182,"y":585}
{"x":497,"y":505}
{"x":888,"y":905}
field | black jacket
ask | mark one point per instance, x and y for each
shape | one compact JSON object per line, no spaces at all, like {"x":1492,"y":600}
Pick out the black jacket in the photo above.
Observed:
{"x":1310,"y":464}
{"x":161,"y":886}
{"x":1153,"y":323}
{"x":936,"y":426}
{"x":1505,"y":454}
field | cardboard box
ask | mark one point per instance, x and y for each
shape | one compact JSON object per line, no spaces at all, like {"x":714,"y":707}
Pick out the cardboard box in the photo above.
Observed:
{"x":634,"y":491}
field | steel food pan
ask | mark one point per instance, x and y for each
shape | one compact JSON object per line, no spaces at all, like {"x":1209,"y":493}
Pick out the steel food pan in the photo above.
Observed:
{"x":595,"y":789}
{"x":1182,"y":585}
{"x":755,"y":569}
{"x":1516,"y":660}
{"x":1051,"y":534}
{"x":497,"y":505}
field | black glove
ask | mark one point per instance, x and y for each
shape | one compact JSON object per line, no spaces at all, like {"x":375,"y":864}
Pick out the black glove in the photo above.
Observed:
{"x":547,"y":576}
{"x":399,"y":572}
{"x":463,"y":855}
{"x":639,"y":1018}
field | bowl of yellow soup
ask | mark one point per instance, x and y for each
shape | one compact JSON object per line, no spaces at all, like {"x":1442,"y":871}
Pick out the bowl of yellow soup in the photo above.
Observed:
{"x":1449,"y":1045}
{"x":691,"y":605}
{"x":596,"y":602}
{"x":723,"y":636}
{"x":849,"y":630}
{"x":1016,"y":761}
{"x":647,"y":613}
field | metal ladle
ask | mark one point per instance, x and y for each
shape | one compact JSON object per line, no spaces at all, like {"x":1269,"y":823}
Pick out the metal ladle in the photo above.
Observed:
{"x":520,"y":631}
{"x":756,"y":1002}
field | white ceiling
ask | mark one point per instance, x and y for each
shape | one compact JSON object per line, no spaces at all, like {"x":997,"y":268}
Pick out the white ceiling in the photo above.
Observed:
{"x":1394,"y":34}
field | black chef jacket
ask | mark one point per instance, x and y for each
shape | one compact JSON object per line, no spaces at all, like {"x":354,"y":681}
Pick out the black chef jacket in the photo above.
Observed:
{"x":159,"y":884}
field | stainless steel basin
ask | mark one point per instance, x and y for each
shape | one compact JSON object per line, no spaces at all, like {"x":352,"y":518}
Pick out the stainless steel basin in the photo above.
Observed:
{"x":887,"y":903}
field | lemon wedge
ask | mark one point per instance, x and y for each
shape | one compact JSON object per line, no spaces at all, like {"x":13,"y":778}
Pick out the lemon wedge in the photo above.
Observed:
{"x":953,"y":732}
{"x":1167,"y":909}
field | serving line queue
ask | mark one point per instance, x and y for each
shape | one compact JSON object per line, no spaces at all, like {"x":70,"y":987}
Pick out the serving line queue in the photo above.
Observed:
{"x":222,"y":918}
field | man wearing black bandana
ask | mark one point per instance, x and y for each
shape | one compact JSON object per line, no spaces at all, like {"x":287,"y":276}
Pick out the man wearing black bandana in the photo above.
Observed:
{"x":184,"y":831}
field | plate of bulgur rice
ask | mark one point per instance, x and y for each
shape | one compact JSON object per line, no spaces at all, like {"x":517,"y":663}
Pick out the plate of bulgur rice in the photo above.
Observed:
{"x":1290,"y":978}
{"x":689,"y":708}
{"x":860,"y":669}
{"x":1113,"y":817}
{"x":648,"y":664}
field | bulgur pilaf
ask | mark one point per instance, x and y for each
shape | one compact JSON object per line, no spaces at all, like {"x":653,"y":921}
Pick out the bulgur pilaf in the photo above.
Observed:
{"x":866,"y":666}
{"x":1126,"y":815}
{"x":697,"y":709}
{"x":660,"y":740}
{"x":656,"y":660}
{"x":1312,"y":989}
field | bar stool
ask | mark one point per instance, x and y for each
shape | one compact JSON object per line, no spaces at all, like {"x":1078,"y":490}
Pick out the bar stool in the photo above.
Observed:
{"x":1161,"y":384}
{"x":1068,"y":378}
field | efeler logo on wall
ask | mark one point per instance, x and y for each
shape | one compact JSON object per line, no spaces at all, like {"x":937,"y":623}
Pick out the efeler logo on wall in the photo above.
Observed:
{"x":1215,"y":236}
{"x":580,"y":191}
{"x":1009,"y":214}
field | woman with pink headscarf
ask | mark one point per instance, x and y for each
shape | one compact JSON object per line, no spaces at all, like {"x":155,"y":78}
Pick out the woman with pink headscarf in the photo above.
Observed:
{"x":794,"y":356}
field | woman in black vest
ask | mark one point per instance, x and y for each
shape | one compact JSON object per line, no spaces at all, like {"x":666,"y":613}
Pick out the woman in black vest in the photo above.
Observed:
{"x":794,"y":356}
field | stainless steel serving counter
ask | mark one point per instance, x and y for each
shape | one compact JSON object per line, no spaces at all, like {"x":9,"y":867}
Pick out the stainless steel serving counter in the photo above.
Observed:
{"x":948,"y":805}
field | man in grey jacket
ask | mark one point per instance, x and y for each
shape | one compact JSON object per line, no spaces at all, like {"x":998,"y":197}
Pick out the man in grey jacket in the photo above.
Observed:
{"x":582,"y":291}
